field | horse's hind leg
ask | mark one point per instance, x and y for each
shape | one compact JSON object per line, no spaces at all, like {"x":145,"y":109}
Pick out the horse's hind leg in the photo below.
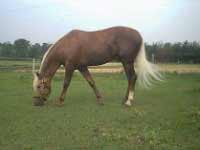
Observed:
{"x":86,"y":74}
{"x":131,"y":77}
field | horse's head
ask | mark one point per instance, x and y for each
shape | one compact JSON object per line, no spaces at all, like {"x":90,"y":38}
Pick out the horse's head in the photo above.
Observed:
{"x":41,"y":86}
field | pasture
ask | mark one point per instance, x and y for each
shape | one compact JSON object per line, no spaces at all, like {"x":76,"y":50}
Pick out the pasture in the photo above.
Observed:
{"x":167,"y":116}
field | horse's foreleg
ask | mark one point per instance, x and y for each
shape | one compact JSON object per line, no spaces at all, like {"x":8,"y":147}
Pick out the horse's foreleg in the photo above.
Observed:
{"x":131,"y":77}
{"x":68,"y":75}
{"x":86,"y":74}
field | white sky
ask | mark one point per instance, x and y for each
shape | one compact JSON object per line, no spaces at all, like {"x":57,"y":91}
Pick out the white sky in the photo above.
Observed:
{"x":47,"y":20}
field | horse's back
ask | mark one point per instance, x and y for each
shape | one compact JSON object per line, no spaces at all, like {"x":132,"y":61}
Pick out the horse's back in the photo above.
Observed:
{"x":119,"y":37}
{"x":98,"y":47}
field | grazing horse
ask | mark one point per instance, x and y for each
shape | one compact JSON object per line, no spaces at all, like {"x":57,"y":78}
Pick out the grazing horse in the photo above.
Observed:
{"x":80,"y":49}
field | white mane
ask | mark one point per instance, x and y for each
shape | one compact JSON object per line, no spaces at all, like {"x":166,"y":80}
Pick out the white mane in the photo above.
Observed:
{"x":35,"y":80}
{"x":47,"y":52}
{"x":45,"y":55}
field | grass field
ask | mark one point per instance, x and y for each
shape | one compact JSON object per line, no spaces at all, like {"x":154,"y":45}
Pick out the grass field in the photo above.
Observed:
{"x":164,"y":117}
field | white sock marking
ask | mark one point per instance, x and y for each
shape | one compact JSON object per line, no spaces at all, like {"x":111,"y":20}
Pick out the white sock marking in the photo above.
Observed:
{"x":130,"y":98}
{"x":130,"y":95}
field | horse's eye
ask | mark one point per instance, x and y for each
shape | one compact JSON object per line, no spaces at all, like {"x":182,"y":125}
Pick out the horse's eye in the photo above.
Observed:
{"x":38,"y":86}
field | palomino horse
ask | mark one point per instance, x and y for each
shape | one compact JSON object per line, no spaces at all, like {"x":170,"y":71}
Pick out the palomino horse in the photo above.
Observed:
{"x":80,"y":49}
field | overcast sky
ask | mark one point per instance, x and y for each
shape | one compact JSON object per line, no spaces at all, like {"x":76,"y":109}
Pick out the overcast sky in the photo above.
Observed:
{"x":47,"y":20}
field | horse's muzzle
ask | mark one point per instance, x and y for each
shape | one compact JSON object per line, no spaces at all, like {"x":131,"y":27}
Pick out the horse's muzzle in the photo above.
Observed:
{"x":38,"y":101}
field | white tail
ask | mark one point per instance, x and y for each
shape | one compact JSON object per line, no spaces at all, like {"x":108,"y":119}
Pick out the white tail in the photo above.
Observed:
{"x":146,"y":71}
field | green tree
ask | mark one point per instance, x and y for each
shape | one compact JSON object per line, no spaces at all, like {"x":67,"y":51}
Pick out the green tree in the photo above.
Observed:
{"x":35,"y":50}
{"x":7,"y":50}
{"x":22,"y":47}
{"x":45,"y":47}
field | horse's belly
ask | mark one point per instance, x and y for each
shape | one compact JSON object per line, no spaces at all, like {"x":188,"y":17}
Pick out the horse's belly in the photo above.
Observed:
{"x":98,"y":59}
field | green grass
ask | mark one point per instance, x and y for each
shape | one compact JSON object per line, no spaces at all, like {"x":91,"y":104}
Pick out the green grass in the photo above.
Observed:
{"x":164,"y":117}
{"x":10,"y":65}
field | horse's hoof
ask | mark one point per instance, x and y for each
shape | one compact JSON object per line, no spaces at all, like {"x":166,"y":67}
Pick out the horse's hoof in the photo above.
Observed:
{"x":128,"y":103}
{"x":100,"y":103}
{"x":59,"y":103}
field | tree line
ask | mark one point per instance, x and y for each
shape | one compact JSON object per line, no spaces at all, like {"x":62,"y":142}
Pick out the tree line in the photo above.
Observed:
{"x":22,"y":48}
{"x":179,"y":52}
{"x":165,"y":52}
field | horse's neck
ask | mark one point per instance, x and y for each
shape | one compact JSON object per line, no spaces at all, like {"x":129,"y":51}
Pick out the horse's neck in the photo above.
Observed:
{"x":48,"y":68}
